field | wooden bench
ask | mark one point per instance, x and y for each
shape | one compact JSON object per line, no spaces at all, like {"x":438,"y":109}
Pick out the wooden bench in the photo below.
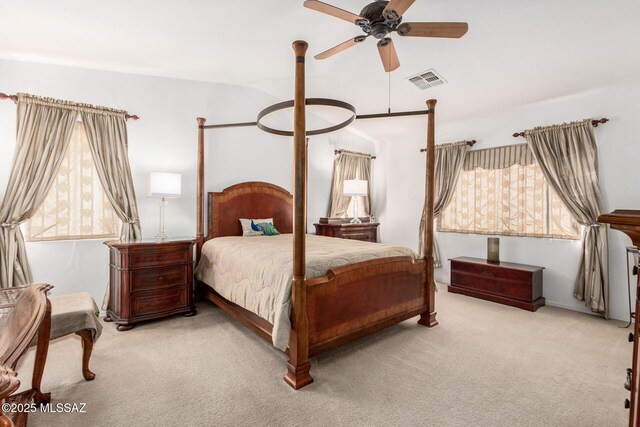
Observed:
{"x":70,"y":314}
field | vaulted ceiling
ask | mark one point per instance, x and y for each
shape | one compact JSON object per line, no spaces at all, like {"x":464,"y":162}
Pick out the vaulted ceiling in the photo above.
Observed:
{"x":515,"y":52}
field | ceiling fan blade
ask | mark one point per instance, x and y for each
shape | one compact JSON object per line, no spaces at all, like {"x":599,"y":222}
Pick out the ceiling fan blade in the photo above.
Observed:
{"x":396,"y":8}
{"x":339,"y":48}
{"x":333,"y":11}
{"x":388,"y":54}
{"x":448,"y":30}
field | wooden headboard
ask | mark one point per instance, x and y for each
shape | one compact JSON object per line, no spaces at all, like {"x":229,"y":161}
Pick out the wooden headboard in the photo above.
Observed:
{"x":249,"y":200}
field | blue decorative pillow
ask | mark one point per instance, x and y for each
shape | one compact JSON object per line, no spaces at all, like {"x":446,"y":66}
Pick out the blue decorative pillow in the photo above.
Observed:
{"x":268,"y":229}
{"x":256,"y":227}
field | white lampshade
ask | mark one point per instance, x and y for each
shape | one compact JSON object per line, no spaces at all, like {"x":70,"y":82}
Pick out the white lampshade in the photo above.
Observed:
{"x":164,"y":184}
{"x":355,"y":187}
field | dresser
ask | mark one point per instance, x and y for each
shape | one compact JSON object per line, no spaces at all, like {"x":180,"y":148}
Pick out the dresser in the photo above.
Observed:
{"x":342,"y":228}
{"x":149,"y":279}
{"x":628,"y":221}
{"x":517,"y":285}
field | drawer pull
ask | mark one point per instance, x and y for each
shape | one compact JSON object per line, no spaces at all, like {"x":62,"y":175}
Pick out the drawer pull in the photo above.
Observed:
{"x":488,"y":273}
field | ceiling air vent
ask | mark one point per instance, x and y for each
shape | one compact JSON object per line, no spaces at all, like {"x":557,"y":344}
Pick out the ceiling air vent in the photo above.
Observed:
{"x":427,"y":79}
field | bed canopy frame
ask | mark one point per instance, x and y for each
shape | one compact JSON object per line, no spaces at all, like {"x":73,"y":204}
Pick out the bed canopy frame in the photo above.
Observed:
{"x":348,"y":302}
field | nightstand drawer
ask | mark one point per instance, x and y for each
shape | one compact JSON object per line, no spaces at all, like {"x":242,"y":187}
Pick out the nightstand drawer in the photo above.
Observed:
{"x":156,"y":302}
{"x":160,"y":277}
{"x":343,"y":229}
{"x":365,"y":236}
{"x":149,"y":258}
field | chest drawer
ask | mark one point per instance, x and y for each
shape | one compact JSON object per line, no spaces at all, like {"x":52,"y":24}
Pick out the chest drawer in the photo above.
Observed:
{"x":492,"y":285}
{"x":162,"y":300}
{"x":153,"y":278}
{"x":517,"y":285}
{"x":491,"y":272}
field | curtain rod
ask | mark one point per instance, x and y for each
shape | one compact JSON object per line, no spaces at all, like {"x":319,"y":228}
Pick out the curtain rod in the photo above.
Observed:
{"x":14,"y":98}
{"x":594,"y":123}
{"x":353,"y":152}
{"x":470,"y":143}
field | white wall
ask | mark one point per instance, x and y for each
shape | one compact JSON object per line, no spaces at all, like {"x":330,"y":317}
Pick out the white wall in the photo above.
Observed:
{"x":163,"y":140}
{"x":619,"y":153}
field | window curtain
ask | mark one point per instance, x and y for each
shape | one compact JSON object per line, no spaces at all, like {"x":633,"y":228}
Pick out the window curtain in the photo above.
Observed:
{"x":44,"y":129}
{"x":448,"y":164}
{"x":349,"y":165}
{"x":568,"y":157}
{"x":107,"y":137}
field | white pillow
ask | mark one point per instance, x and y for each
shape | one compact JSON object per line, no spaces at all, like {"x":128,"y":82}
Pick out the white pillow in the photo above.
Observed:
{"x":247,"y":231}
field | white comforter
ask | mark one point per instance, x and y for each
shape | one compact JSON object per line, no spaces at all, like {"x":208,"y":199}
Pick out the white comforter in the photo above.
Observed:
{"x":256,"y":272}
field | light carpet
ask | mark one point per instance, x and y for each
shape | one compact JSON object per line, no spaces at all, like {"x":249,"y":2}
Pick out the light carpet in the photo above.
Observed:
{"x":485,"y":365}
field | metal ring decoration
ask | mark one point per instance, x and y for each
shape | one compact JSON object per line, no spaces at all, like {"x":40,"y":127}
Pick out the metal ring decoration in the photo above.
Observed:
{"x":309,"y":101}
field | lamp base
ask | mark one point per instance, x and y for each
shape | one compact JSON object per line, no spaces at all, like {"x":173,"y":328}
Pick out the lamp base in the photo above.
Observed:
{"x":162,"y":234}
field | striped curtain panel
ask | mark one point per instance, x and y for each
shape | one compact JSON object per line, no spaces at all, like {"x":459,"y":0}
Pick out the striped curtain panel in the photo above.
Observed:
{"x":568,"y":157}
{"x":44,"y":129}
{"x":349,"y":165}
{"x":448,"y":163}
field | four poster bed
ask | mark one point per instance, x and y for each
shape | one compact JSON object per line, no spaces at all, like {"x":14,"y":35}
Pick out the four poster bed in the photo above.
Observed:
{"x":333,"y":291}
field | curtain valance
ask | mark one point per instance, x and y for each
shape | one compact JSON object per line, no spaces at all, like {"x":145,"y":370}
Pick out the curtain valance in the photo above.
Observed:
{"x":26,"y":98}
{"x":499,"y":157}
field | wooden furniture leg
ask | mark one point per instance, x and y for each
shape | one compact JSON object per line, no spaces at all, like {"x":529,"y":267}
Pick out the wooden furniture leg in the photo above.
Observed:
{"x":44,"y":332}
{"x":87,"y":348}
{"x":200,"y":189}
{"x":8,"y":384}
{"x":298,"y":366}
{"x":428,"y":318}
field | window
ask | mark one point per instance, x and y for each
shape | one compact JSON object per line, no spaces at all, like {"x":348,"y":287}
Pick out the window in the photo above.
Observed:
{"x":512,"y":201}
{"x":76,"y":206}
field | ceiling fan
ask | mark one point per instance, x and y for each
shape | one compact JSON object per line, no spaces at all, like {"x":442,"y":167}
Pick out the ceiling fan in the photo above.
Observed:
{"x":379,"y":19}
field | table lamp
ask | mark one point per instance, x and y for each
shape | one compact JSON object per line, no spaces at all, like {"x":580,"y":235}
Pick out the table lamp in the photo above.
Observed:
{"x":164,"y":185}
{"x":355,"y":188}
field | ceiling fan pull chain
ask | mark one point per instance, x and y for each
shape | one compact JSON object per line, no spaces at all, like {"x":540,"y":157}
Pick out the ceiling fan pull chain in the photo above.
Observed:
{"x":389,"y":92}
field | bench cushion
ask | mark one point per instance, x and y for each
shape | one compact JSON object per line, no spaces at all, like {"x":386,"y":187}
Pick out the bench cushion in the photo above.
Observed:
{"x":73,"y":313}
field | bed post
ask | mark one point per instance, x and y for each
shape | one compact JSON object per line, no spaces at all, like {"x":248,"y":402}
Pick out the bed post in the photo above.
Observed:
{"x":428,"y":318}
{"x":200,"y":189}
{"x":298,"y":365}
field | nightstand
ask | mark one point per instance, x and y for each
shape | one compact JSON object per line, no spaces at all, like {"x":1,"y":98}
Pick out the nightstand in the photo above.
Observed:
{"x":342,"y":228}
{"x":149,"y":279}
